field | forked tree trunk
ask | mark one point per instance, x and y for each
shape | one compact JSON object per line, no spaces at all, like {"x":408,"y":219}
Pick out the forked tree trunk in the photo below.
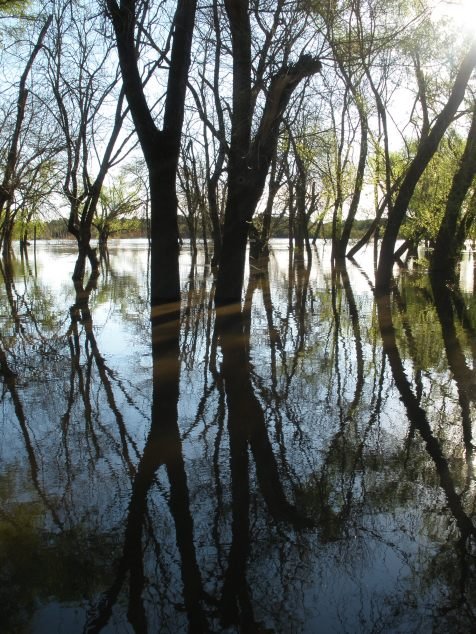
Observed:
{"x":160,"y":147}
{"x":250,"y":159}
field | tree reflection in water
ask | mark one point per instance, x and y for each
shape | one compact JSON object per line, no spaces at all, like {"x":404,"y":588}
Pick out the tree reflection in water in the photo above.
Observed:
{"x":300,"y":463}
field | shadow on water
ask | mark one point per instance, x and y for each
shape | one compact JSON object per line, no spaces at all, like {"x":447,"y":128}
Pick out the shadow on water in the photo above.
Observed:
{"x":162,"y":449}
{"x":232,"y":603}
{"x":301,"y":462}
{"x":461,"y":604}
{"x":248,"y":437}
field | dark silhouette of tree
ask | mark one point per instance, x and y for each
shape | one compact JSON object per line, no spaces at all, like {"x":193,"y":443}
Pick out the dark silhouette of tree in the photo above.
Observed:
{"x":160,"y":147}
{"x":455,"y":224}
{"x":250,"y":154}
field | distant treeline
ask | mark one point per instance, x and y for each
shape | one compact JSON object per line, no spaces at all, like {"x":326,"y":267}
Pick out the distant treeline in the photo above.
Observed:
{"x":125,"y":228}
{"x":138,"y":228}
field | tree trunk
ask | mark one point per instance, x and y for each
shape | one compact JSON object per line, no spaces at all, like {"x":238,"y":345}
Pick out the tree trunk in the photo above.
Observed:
{"x":6,"y":238}
{"x":160,"y":147}
{"x":214,"y":216}
{"x":238,"y":214}
{"x":204,"y":234}
{"x":274,"y":185}
{"x":85,"y":252}
{"x":249,"y":160}
{"x":103,"y":236}
{"x":374,"y":227}
{"x":343,"y":241}
{"x":164,"y":234}
{"x":426,"y":150}
{"x":449,"y":239}
{"x":300,"y":221}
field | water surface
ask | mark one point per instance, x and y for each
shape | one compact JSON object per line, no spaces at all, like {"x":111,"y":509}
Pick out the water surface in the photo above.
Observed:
{"x":303,"y":463}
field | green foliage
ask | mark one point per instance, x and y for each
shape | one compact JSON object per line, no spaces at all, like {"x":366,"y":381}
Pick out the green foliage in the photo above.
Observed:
{"x":429,"y":200}
{"x":117,"y":204}
{"x":14,"y":7}
{"x":36,"y":564}
{"x":428,"y":352}
{"x":53,"y":229}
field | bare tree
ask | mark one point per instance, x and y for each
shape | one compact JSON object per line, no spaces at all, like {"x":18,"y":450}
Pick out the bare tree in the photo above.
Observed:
{"x":11,"y":166}
{"x":161,"y":147}
{"x":85,"y":83}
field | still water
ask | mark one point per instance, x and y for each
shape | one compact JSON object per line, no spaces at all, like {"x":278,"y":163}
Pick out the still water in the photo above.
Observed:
{"x":302,"y":464}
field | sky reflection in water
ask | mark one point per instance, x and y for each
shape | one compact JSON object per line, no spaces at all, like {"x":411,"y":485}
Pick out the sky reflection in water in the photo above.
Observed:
{"x":304,"y":464}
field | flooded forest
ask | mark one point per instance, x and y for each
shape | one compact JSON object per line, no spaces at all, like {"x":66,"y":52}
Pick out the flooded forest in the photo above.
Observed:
{"x":237,"y":316}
